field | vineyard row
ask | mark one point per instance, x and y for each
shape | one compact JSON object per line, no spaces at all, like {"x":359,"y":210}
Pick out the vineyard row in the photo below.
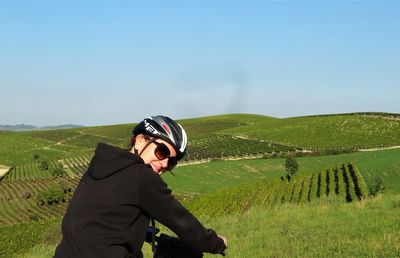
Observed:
{"x":343,"y":184}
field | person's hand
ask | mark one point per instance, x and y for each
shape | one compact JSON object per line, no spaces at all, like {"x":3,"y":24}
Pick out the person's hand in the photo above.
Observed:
{"x":225,"y":241}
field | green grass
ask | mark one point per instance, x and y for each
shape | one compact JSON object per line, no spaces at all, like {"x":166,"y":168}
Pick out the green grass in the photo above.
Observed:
{"x":203,"y":178}
{"x":208,"y":177}
{"x":335,"y":131}
{"x":198,"y":127}
{"x":324,"y":228}
{"x":19,"y":148}
{"x":362,"y":229}
{"x":193,"y":180}
{"x":18,"y":239}
{"x":326,"y":131}
{"x":269,"y":193}
{"x":367,"y":229}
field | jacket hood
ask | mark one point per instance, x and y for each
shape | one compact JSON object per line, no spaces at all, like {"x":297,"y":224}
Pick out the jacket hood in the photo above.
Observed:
{"x":108,"y":160}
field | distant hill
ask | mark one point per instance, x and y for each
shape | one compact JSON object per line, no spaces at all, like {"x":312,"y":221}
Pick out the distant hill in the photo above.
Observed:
{"x":24,"y":127}
{"x":216,"y":136}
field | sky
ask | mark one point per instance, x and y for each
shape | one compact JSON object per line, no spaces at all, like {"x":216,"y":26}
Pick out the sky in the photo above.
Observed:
{"x":113,"y":62}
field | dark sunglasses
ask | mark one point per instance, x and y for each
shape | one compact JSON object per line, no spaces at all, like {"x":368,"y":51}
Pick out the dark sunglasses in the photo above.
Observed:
{"x":162,"y":152}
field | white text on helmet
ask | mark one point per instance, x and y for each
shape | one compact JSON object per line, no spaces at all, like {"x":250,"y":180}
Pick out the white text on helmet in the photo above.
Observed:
{"x":150,"y":128}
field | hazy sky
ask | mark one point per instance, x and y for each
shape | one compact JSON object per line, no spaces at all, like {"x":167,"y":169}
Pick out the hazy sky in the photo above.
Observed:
{"x":111,"y":62}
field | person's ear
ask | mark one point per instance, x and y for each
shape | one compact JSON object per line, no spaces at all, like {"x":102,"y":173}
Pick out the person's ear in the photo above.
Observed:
{"x":139,"y":141}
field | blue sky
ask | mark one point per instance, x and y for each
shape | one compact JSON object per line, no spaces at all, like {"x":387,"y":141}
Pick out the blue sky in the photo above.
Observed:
{"x":111,"y":62}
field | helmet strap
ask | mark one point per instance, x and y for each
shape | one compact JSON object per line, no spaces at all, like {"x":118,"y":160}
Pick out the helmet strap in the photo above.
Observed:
{"x":147,"y":145}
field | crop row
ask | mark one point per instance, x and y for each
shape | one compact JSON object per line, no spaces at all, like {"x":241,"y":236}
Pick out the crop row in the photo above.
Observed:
{"x":29,"y":188}
{"x":205,"y":148}
{"x":25,"y":210}
{"x":222,"y":145}
{"x":18,"y":202}
{"x":343,"y":184}
{"x":74,"y":166}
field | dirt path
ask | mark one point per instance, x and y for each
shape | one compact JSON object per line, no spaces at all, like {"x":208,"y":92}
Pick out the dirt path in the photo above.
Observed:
{"x":382,"y":148}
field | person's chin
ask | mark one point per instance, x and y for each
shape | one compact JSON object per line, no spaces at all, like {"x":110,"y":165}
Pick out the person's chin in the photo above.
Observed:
{"x":155,"y":169}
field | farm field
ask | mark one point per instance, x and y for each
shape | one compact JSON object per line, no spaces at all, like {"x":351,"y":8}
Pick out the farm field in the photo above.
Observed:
{"x":234,"y":179}
{"x":346,"y":131}
{"x":208,"y":177}
{"x":231,"y":174}
{"x":332,"y":131}
{"x":366,"y":229}
{"x":193,"y":180}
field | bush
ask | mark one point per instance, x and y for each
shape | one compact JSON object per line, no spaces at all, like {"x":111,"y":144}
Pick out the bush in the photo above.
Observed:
{"x":63,"y":184}
{"x":53,"y":194}
{"x":291,"y":166}
{"x":59,"y":172}
{"x":377,"y":187}
{"x":44,"y":165}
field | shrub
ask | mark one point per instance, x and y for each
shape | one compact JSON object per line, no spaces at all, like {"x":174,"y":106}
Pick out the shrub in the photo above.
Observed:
{"x":51,"y":195}
{"x":291,"y":166}
{"x":63,"y":184}
{"x":44,"y":165}
{"x":377,"y":187}
{"x":59,"y":172}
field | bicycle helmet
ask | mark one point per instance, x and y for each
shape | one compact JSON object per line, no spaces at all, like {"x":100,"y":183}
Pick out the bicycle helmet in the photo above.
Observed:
{"x":164,"y":128}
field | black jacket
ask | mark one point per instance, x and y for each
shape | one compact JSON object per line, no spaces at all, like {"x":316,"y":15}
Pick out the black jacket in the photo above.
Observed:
{"x":109,"y":212}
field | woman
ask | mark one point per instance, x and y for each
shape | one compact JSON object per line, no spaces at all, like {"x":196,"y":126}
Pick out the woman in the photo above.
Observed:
{"x":121,"y":190}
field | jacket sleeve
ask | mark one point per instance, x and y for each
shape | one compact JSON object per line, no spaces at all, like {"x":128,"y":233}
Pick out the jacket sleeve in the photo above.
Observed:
{"x":156,"y":200}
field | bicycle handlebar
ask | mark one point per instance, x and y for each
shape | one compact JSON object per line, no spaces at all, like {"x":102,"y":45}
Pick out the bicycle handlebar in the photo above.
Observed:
{"x":169,"y":246}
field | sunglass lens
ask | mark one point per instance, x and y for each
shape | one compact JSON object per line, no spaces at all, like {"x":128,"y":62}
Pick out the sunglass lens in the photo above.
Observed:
{"x":172,"y":162}
{"x":162,"y":151}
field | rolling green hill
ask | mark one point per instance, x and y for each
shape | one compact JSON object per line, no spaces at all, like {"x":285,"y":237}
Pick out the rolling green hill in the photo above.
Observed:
{"x":316,"y":132}
{"x":333,"y":131}
{"x":204,"y":178}
{"x":195,"y":180}
{"x":239,"y":175}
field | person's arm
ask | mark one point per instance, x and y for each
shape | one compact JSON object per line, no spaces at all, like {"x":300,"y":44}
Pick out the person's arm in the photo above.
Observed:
{"x":156,"y":200}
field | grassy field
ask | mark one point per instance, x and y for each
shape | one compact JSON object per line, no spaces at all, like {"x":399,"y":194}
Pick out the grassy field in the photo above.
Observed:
{"x":362,"y":229}
{"x":322,"y":132}
{"x":326,"y":131}
{"x":325,"y":227}
{"x":193,"y":180}
{"x":202,"y":178}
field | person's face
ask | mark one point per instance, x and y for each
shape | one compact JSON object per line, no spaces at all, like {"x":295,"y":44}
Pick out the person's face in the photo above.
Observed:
{"x":149,"y":155}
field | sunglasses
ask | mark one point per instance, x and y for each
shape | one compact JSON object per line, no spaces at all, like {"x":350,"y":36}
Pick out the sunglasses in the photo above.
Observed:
{"x":162,"y":152}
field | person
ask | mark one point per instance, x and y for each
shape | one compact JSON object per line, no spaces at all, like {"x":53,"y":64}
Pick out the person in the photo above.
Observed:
{"x":110,"y":210}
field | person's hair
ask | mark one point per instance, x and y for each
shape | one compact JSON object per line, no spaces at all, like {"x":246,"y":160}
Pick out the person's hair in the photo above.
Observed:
{"x":132,"y":142}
